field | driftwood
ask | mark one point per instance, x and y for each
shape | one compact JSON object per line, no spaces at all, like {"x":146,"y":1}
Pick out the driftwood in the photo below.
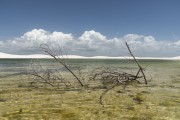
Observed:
{"x":116,"y":78}
{"x":47,"y":76}
{"x":61,"y":61}
{"x":112,"y":76}
{"x":53,"y":76}
{"x":108,"y":77}
{"x":140,"y":68}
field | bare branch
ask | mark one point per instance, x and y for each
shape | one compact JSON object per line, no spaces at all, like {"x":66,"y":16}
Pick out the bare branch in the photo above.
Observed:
{"x":140,"y":68}
{"x":49,"y":51}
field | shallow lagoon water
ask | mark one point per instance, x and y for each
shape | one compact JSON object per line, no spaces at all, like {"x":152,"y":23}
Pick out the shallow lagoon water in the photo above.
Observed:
{"x":160,"y":98}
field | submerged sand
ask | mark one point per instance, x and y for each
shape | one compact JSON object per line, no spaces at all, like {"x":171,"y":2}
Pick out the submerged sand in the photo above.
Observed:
{"x":159,"y":100}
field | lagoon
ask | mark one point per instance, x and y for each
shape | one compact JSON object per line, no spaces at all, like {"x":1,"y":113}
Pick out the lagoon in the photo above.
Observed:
{"x":160,"y":97}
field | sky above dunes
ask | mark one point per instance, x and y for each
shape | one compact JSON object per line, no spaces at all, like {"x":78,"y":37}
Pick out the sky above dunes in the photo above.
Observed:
{"x":91,"y":27}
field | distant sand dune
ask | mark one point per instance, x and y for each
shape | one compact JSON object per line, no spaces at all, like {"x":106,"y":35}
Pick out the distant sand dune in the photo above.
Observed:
{"x":5,"y":55}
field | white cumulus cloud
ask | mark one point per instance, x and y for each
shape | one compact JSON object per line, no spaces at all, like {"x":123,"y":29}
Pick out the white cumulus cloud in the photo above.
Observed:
{"x":90,"y":43}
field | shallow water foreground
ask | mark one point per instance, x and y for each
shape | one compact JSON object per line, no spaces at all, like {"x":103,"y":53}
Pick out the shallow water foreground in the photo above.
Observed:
{"x":159,"y":100}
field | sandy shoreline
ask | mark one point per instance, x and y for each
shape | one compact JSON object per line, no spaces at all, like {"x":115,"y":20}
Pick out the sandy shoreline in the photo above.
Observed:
{"x":4,"y":55}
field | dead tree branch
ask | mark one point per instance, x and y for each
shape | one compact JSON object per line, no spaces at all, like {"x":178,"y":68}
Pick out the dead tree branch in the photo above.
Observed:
{"x":140,"y":68}
{"x":47,"y":76}
{"x":59,"y":60}
{"x":108,"y":77}
{"x":116,"y":78}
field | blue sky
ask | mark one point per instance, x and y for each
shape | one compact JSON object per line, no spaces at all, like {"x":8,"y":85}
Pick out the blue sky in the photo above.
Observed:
{"x":111,"y":18}
{"x":159,"y":18}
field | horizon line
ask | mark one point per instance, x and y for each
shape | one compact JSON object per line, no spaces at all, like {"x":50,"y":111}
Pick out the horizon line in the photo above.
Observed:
{"x":15,"y":56}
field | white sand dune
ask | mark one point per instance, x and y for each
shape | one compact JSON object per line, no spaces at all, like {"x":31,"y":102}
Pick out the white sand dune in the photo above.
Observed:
{"x":5,"y":55}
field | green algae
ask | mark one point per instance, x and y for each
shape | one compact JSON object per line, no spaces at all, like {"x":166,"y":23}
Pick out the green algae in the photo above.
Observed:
{"x":159,"y":100}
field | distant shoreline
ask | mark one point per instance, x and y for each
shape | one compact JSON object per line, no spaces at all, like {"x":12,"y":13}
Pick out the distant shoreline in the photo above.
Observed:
{"x":40,"y":56}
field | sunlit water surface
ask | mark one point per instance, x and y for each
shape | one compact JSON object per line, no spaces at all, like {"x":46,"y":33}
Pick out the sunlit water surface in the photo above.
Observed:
{"x":160,"y":98}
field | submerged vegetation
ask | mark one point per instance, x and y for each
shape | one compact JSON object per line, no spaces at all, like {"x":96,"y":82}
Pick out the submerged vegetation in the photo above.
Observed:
{"x":108,"y":77}
{"x":59,"y":95}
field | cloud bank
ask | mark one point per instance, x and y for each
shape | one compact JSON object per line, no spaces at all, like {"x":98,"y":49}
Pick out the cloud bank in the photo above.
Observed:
{"x":90,"y":43}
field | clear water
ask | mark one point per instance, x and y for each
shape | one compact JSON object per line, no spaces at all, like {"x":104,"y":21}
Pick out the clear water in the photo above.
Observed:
{"x":161,"y":96}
